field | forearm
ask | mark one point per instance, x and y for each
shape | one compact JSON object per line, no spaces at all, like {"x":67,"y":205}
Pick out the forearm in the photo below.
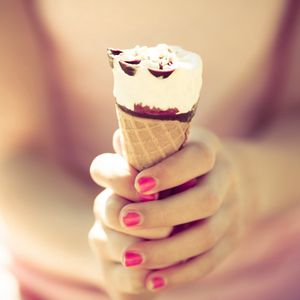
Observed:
{"x":270,"y":163}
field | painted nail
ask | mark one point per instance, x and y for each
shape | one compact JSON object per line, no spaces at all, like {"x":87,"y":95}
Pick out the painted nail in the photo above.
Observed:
{"x":131,"y":219}
{"x":151,"y":197}
{"x":132,"y":259}
{"x":146,"y":184}
{"x":157,"y":282}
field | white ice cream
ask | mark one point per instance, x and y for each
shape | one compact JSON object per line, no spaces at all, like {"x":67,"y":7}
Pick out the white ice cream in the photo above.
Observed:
{"x":180,"y":90}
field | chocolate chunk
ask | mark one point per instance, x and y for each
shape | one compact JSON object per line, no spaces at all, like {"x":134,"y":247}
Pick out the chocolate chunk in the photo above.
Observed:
{"x":184,"y":117}
{"x":161,"y":73}
{"x":111,"y":53}
{"x":114,"y":51}
{"x":127,"y":68}
{"x":133,"y":62}
{"x":145,"y":109}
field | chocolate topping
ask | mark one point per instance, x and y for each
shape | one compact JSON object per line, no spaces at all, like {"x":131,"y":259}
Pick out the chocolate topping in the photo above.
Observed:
{"x":127,"y":68}
{"x":145,"y":109}
{"x":133,"y":62}
{"x":111,"y":53}
{"x":161,"y":73}
{"x":163,"y":115}
{"x":114,"y":51}
{"x":147,"y":92}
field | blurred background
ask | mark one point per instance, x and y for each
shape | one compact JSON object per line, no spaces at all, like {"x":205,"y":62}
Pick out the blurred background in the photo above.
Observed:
{"x":57,"y":113}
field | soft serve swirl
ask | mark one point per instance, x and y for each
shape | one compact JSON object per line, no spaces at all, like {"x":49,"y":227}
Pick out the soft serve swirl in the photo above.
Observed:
{"x":162,"y":77}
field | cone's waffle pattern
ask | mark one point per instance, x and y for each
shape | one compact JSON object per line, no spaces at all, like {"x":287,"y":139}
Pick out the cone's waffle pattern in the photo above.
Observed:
{"x":148,"y":141}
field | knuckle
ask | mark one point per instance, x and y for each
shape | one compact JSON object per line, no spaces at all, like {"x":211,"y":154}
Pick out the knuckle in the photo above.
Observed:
{"x":101,"y":202}
{"x":92,"y":238}
{"x":109,"y":215}
{"x":99,"y":167}
{"x":109,"y":204}
{"x":96,"y":239}
{"x":119,"y":241}
{"x":105,"y":208}
{"x":97,"y":206}
{"x":94,"y":167}
{"x":92,"y":235}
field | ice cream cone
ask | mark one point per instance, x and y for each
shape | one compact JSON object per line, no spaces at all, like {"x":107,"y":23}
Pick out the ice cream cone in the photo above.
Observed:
{"x":148,"y":141}
{"x":156,"y":91}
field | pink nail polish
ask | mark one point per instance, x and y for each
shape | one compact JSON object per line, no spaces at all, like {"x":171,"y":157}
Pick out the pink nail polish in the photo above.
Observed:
{"x":146,"y":184}
{"x":132,"y":259}
{"x":151,"y":197}
{"x":131,"y":219}
{"x":158,"y":282}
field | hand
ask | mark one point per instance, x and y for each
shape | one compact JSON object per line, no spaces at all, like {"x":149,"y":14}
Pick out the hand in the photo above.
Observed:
{"x":121,"y":283}
{"x":108,"y":238}
{"x":214,"y":210}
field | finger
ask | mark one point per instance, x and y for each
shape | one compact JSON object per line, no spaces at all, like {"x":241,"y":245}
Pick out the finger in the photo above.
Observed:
{"x":199,"y":202}
{"x":111,"y":274}
{"x":195,"y":159}
{"x":112,"y":171}
{"x":122,"y":283}
{"x":197,"y":239}
{"x":108,"y":243}
{"x":117,"y":145}
{"x":128,"y":280}
{"x":192,"y":269}
{"x":107,"y":208}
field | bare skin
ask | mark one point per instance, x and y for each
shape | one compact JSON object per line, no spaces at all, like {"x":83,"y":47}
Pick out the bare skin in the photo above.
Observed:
{"x":74,"y":56}
{"x":238,"y":190}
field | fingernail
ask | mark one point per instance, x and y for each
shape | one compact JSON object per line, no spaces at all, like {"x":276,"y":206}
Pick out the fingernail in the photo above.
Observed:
{"x":157,"y":282}
{"x":131,"y":219}
{"x":151,"y":197}
{"x":146,"y":184}
{"x":132,"y":259}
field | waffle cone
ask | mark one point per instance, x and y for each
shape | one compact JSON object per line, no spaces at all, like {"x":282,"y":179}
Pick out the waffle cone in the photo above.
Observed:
{"x":148,"y":141}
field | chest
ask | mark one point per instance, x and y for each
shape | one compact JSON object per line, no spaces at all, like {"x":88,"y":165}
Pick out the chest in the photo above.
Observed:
{"x":233,"y":38}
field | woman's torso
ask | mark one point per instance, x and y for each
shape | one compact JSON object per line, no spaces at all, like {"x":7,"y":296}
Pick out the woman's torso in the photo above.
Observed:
{"x":236,"y":41}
